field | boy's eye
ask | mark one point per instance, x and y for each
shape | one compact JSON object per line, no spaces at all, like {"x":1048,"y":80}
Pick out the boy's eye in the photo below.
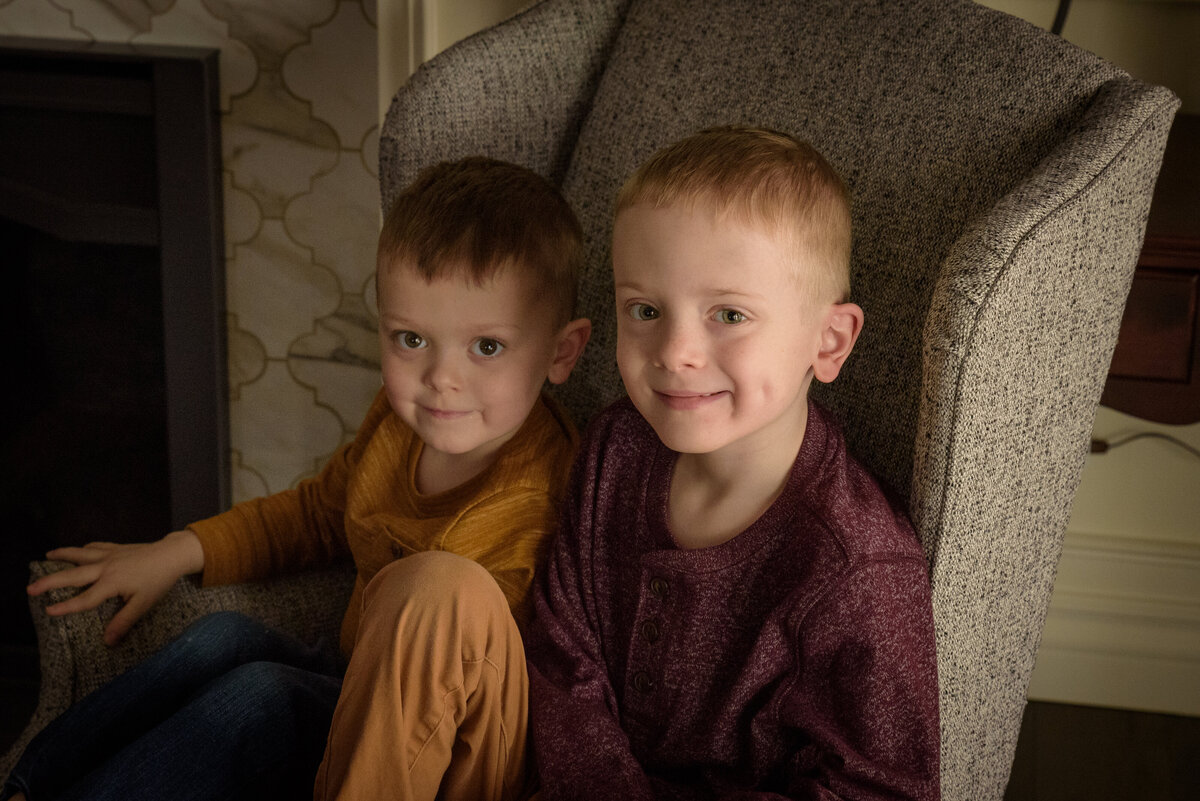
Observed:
{"x":486,"y":347}
{"x":731,"y":316}
{"x":643,"y":311}
{"x":409,"y":340}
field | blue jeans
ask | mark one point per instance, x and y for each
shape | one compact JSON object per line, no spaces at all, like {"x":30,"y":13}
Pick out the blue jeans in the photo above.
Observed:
{"x":231,"y":709}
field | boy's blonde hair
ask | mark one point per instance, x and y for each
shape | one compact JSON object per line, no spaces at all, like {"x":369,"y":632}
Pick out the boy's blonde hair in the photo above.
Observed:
{"x":759,"y":176}
{"x":476,"y":216}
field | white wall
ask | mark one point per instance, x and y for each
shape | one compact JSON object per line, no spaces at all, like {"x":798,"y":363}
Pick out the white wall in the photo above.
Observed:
{"x":413,"y":31}
{"x":1155,"y":40}
{"x":1123,"y":628}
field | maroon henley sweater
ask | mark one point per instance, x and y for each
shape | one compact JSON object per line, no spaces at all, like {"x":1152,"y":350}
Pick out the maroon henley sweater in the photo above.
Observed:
{"x":795,"y":660}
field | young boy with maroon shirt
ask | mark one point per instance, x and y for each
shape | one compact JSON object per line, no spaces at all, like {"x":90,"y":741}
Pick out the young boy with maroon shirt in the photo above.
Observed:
{"x":733,"y":607}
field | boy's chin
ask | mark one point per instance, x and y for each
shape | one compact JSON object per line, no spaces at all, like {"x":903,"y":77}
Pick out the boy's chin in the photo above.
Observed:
{"x":681,"y":440}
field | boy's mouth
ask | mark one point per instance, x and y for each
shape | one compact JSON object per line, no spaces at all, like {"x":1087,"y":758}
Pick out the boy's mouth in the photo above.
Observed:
{"x":685,"y":401}
{"x":443,"y":414}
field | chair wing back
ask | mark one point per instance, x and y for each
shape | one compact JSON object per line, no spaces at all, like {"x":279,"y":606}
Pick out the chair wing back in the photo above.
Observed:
{"x":518,"y":91}
{"x":1001,"y":180}
{"x":1016,"y":348}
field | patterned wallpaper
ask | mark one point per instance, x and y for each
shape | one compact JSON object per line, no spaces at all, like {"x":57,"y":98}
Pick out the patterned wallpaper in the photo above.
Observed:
{"x":300,"y":140}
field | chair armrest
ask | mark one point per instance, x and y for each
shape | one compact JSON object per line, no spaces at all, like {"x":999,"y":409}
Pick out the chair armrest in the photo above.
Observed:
{"x":75,"y":661}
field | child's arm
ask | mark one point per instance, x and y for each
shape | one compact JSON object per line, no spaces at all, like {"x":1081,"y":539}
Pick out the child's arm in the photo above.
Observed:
{"x":864,"y":695}
{"x":255,"y":539}
{"x":293,"y":530}
{"x":140,"y":574}
{"x":582,"y":751}
{"x":286,"y":531}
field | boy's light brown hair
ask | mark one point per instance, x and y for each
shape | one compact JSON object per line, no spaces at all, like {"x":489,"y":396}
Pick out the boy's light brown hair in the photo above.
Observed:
{"x":476,"y":216}
{"x":758,"y":176}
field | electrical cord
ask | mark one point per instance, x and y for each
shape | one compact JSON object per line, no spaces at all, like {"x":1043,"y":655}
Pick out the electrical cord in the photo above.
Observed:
{"x":1060,"y":17}
{"x":1103,"y":445}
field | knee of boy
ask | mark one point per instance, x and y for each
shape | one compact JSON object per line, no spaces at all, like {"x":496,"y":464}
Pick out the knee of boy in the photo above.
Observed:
{"x":268,"y":690}
{"x":221,"y":625}
{"x":435,"y":580}
{"x":220,"y":635}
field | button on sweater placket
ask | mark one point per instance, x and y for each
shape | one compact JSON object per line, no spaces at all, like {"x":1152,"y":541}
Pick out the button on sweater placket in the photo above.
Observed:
{"x":649,"y":629}
{"x":642,"y":682}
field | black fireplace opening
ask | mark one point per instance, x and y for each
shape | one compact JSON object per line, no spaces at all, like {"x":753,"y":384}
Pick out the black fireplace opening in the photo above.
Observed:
{"x":84,"y":455}
{"x":114,"y":423}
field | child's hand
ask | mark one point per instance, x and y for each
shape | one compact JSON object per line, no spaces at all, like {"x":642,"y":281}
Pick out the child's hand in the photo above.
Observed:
{"x":139,"y":574}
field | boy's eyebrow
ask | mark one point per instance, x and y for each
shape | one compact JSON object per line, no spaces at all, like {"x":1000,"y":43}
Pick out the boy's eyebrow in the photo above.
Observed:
{"x":396,"y":321}
{"x":723,"y":292}
{"x":393,"y":319}
{"x":497,"y":328}
{"x":736,"y":293}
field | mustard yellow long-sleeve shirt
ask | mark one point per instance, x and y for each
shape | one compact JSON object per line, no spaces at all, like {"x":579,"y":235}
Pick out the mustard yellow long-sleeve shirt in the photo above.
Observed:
{"x":365,"y":505}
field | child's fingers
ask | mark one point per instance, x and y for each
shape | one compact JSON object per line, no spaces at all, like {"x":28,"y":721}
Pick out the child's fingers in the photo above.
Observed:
{"x":71,"y":577}
{"x":121,"y":623}
{"x":92,"y":552}
{"x":88,"y":599}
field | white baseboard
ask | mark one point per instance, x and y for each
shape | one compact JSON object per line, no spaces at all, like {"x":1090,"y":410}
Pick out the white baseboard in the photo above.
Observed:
{"x":1123,"y":629}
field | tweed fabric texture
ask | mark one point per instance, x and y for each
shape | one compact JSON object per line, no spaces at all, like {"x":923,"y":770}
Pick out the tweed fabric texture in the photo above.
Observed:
{"x":930,"y":110}
{"x":1000,"y":178}
{"x":1016,"y":351}
{"x":518,"y":92}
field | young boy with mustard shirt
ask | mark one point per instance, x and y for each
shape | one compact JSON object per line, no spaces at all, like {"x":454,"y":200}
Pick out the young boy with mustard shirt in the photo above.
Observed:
{"x":444,"y":501}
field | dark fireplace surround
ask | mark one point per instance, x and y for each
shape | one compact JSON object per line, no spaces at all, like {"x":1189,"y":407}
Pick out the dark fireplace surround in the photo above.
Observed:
{"x":116,"y":421}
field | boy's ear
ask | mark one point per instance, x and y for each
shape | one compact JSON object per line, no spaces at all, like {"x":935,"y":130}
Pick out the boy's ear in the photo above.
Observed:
{"x":842,"y":325}
{"x":571,"y":339}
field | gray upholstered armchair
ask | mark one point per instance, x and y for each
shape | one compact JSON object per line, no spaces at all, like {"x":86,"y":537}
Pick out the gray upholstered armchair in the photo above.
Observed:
{"x":1001,"y":181}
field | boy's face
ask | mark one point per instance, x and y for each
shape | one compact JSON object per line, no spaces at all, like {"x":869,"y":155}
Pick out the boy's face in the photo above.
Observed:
{"x":463,"y":363}
{"x":716,"y":336}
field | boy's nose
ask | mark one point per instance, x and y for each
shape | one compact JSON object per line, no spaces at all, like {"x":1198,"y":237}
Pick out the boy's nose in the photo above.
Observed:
{"x":679,"y":348}
{"x":442,"y":373}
